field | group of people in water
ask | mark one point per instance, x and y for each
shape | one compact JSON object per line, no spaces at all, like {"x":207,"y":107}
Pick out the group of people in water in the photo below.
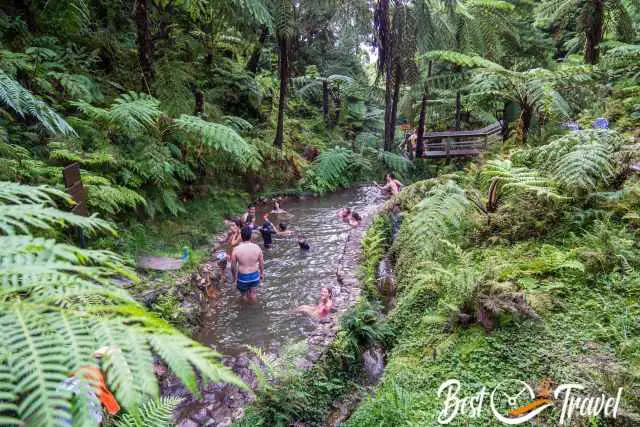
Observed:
{"x":238,"y":247}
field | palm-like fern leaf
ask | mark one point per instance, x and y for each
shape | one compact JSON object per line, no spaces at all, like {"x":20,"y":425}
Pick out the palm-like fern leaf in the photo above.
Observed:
{"x":57,"y":306}
{"x":132,"y":112}
{"x":445,"y":205}
{"x":154,"y":413}
{"x":24,"y":103}
{"x":511,"y":179}
{"x":219,"y":138}
{"x":581,"y":159}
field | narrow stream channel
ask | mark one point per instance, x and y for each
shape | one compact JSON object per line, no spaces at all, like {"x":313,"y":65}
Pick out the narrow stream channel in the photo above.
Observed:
{"x":293,"y":277}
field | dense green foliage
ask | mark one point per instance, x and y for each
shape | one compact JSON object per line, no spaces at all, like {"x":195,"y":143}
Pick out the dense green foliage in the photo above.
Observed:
{"x":524,"y":264}
{"x":60,"y":304}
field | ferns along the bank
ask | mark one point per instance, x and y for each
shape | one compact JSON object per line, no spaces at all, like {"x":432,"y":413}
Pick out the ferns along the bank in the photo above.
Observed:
{"x":59,"y":304}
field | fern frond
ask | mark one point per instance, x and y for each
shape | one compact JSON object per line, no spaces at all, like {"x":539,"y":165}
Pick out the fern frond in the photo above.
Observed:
{"x":21,"y":218}
{"x":36,"y":359}
{"x":131,"y":111}
{"x":444,"y":205}
{"x":219,"y":138}
{"x":113,"y":199}
{"x":519,"y":179}
{"x":154,"y":413}
{"x":24,"y":103}
{"x":581,"y":159}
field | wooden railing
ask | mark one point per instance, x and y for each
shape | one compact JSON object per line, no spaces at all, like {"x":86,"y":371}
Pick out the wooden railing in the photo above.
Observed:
{"x":461,"y":143}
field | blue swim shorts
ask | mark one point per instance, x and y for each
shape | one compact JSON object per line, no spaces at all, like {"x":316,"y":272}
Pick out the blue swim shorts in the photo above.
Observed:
{"x":247,"y":281}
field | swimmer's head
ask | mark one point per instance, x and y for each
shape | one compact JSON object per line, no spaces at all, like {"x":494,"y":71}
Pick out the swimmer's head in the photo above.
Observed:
{"x":301,"y":238}
{"x":246,"y":234}
{"x":283,"y":226}
{"x":326,"y":293}
{"x":356,"y":216}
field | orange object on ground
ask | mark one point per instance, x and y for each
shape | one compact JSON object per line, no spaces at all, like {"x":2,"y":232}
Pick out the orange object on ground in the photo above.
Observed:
{"x":531,"y":406}
{"x":93,"y":374}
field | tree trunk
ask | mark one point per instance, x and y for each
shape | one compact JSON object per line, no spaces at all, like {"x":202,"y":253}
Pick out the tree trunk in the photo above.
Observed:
{"x":337,"y":106}
{"x":385,"y":64}
{"x":525,"y":123}
{"x":325,"y":100}
{"x":421,"y":120}
{"x":397,"y":82}
{"x":593,"y":31}
{"x":199,"y":95}
{"x":252,"y":65}
{"x":284,"y":81}
{"x":458,"y":110}
{"x":145,"y":43}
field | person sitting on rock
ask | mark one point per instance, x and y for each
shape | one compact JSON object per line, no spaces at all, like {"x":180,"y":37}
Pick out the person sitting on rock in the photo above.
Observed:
{"x":322,"y":309}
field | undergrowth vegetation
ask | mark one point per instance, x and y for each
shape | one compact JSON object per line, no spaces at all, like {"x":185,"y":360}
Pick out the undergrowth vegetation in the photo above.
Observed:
{"x":537,"y":280}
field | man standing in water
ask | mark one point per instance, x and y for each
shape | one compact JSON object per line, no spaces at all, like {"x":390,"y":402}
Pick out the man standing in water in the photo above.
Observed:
{"x":247,"y":266}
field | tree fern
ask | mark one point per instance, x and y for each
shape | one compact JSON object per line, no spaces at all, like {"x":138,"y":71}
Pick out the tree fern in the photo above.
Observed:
{"x":113,"y":199}
{"x":445,"y":205}
{"x":133,"y":112}
{"x":582,"y":159}
{"x":333,"y":168}
{"x":623,"y":60}
{"x":58,"y":305}
{"x":154,"y":413}
{"x":31,"y":208}
{"x":219,"y":138}
{"x":24,"y":103}
{"x":513,"y":180}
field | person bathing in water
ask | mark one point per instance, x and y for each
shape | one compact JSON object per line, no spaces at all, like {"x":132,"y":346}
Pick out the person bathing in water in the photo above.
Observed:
{"x":302,"y":242}
{"x":392,"y":185}
{"x":355,"y":219}
{"x":284,"y":230}
{"x":251,"y":211}
{"x":247,"y":266}
{"x":267,"y":230}
{"x":277,"y":209}
{"x":321,"y":310}
{"x":344,"y":213}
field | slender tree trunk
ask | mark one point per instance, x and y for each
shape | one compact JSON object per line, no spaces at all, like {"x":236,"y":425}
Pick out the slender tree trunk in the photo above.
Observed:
{"x":337,"y":105}
{"x":325,"y":100}
{"x":284,"y":82}
{"x":385,"y":64}
{"x":458,"y":110}
{"x":525,"y":123}
{"x":423,"y":114}
{"x":252,"y":65}
{"x":594,"y":31}
{"x":397,"y":82}
{"x":388,"y":121}
{"x":145,"y":43}
{"x":199,"y":96}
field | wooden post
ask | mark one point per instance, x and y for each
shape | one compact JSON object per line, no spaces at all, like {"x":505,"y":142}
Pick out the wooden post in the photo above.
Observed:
{"x":73,"y":182}
{"x":458,"y":110}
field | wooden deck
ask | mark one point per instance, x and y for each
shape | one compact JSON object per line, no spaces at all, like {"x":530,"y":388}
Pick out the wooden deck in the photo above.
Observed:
{"x":466,"y":143}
